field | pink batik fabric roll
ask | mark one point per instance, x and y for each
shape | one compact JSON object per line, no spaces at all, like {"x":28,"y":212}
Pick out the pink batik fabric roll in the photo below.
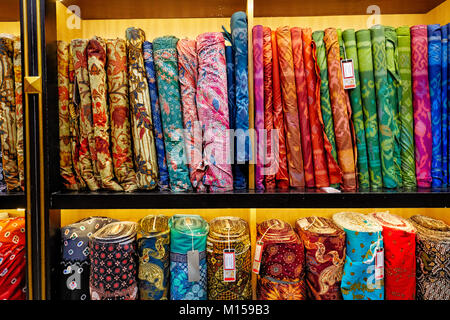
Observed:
{"x":422,"y":105}
{"x":187,"y":76}
{"x":212,"y":110}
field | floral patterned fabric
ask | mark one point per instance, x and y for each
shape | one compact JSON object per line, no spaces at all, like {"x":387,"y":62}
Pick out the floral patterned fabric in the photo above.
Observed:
{"x":119,"y":112}
{"x":212,"y":108}
{"x":166,"y":67}
{"x":146,"y":163}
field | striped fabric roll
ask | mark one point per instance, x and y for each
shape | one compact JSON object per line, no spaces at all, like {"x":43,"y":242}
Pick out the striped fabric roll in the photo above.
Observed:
{"x":399,"y":238}
{"x":153,"y":246}
{"x":229,"y":234}
{"x":282,"y":269}
{"x":432,"y":258}
{"x":364,"y":240}
{"x":324,"y":244}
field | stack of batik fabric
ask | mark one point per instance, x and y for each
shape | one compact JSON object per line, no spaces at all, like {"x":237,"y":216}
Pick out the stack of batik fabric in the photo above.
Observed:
{"x":153,"y":243}
{"x":75,"y":262}
{"x":399,"y":237}
{"x":230,"y":235}
{"x":113,"y":262}
{"x":360,"y":280}
{"x":433,"y":258}
{"x":188,"y":276}
{"x":282,"y":269}
{"x":324,"y":244}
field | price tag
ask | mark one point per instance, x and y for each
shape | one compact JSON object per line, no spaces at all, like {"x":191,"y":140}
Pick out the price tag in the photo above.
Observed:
{"x":379,"y":264}
{"x":229,"y":265}
{"x":348,"y":74}
{"x":258,"y":256}
{"x":193,"y":260}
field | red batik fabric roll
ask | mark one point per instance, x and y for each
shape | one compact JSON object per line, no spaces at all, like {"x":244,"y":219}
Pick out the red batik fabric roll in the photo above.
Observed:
{"x":302,"y":104}
{"x":282,"y":269}
{"x":12,"y":259}
{"x":187,"y":76}
{"x":290,"y":110}
{"x":324,"y":244}
{"x":399,"y":240}
{"x":270,"y":165}
{"x":313,"y":87}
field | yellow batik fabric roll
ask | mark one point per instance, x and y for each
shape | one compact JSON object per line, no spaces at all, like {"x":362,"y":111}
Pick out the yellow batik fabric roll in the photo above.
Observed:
{"x":229,"y":234}
{"x":17,"y":62}
{"x":96,"y":52}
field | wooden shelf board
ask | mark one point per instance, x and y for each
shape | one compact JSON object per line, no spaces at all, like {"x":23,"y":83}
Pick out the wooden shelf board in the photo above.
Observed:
{"x":11,"y":201}
{"x":9,"y":10}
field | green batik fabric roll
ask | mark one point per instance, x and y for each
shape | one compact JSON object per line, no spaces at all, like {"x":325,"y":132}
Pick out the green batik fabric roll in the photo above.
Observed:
{"x":166,"y":67}
{"x":385,"y":114}
{"x":357,"y":111}
{"x":369,"y":105}
{"x":406,"y":109}
{"x":325,"y":102}
{"x":394,"y":94}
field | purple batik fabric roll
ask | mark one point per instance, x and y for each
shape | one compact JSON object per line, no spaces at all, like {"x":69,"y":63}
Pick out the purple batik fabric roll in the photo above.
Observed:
{"x":258,"y":72}
{"x":421,"y":105}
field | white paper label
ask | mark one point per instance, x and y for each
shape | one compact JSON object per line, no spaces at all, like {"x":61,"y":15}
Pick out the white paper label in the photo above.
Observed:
{"x":348,"y":74}
{"x":229,"y":265}
{"x":379,"y":264}
{"x":330,"y":190}
{"x":193,"y":260}
{"x":258,"y":256}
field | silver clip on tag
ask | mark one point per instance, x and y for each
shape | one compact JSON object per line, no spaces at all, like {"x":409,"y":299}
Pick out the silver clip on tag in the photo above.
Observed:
{"x":193,"y":260}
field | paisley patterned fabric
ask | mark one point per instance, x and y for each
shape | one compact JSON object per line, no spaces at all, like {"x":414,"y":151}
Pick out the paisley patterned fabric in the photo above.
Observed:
{"x":113,"y":262}
{"x":187,"y":232}
{"x":65,"y":144}
{"x":341,"y":109}
{"x":291,"y":115}
{"x":166,"y":67}
{"x":422,"y":105}
{"x":368,"y":96}
{"x":349,"y":39}
{"x":187,"y":73}
{"x":399,"y":238}
{"x":385,"y":113}
{"x":435,"y":76}
{"x":229,"y":233}
{"x":163,"y":182}
{"x":96,"y":51}
{"x":75,"y":263}
{"x":153,"y":243}
{"x":119,"y":112}
{"x":325,"y":255}
{"x":282,"y":270}
{"x":432,"y":257}
{"x":282,"y":176}
{"x":8,"y":115}
{"x":445,"y":104}
{"x":258,"y":78}
{"x":145,"y":158}
{"x":12,"y":259}
{"x":212,"y":108}
{"x":82,"y":98}
{"x":406,"y":109}
{"x":364,"y":239}
{"x":302,"y":104}
{"x":18,"y":94}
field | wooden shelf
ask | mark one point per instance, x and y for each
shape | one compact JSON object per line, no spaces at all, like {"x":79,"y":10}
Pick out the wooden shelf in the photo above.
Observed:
{"x":251,"y":199}
{"x":9,"y":10}
{"x":154,"y":9}
{"x":290,"y":8}
{"x":12,"y":201}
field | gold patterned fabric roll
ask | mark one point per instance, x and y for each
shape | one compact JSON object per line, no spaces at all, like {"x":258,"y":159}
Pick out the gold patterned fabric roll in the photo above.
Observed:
{"x":141,"y":119}
{"x":8,"y":115}
{"x":19,"y":108}
{"x":116,"y":51}
{"x":82,"y":92}
{"x":96,"y":52}
{"x":230,"y":234}
{"x":65,"y":147}
{"x":432,"y":258}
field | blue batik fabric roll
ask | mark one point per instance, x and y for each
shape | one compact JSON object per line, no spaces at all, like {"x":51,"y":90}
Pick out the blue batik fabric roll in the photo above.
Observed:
{"x":363,"y":241}
{"x":435,"y":76}
{"x":445,"y":108}
{"x":156,"y":116}
{"x":188,"y":233}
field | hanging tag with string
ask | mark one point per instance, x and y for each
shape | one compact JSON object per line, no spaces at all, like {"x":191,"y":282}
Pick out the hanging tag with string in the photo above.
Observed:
{"x":193,"y":258}
{"x":258,"y":253}
{"x":229,"y":261}
{"x":348,"y":72}
{"x":379,"y":264}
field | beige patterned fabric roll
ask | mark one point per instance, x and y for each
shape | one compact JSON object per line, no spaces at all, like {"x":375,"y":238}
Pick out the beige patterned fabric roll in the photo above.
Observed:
{"x":19,"y":107}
